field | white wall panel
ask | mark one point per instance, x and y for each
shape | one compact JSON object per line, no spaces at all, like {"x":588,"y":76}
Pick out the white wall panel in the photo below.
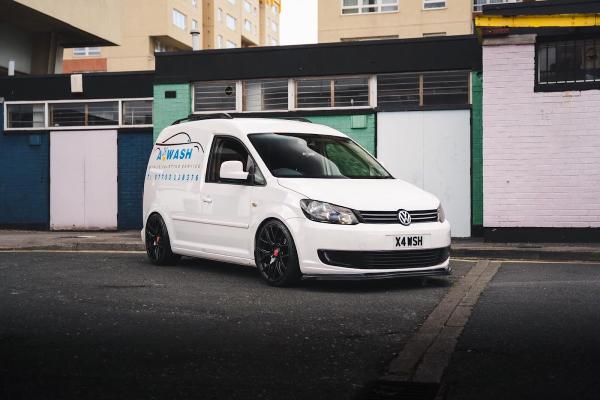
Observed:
{"x":431,"y":149}
{"x":83,"y":180}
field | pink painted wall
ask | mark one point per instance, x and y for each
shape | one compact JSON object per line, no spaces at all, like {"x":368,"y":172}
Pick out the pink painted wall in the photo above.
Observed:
{"x":541,"y":151}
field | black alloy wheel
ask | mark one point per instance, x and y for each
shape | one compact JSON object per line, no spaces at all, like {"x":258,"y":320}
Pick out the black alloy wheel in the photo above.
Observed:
{"x":158,"y":246}
{"x":275,"y":255}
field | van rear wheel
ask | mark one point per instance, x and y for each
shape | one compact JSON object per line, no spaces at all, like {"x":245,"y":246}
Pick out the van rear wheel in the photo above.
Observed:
{"x":275,"y":255}
{"x":158,"y":245}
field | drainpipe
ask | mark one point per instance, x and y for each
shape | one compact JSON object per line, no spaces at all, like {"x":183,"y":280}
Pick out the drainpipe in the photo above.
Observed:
{"x":195,"y":40}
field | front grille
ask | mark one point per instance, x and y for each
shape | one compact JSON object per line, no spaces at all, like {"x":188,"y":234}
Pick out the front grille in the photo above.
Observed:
{"x":393,"y":259}
{"x":391,"y":217}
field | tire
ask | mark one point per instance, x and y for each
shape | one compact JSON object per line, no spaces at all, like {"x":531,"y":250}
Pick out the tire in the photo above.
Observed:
{"x":275,"y":254}
{"x":158,"y":245}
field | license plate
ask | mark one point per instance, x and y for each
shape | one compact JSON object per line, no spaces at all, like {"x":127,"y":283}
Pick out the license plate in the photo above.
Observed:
{"x":408,"y":241}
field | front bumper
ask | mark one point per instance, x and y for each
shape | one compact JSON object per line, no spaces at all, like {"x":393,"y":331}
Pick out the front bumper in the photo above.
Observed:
{"x":310,"y":237}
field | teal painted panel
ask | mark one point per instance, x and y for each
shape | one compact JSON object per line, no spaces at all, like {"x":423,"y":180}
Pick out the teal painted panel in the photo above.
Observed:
{"x":167,"y":108}
{"x":344,"y":123}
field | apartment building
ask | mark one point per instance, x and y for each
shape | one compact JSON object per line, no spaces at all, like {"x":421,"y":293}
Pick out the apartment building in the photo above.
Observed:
{"x":166,"y":25}
{"x":33,"y":33}
{"x":350,"y":20}
{"x":146,"y":27}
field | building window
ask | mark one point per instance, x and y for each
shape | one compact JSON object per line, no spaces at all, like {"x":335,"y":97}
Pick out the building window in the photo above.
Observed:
{"x":368,"y":6}
{"x":478,"y":4}
{"x":433,"y":4}
{"x":178,"y":19}
{"x":568,"y":62}
{"x":105,"y":113}
{"x":25,"y":116}
{"x":274,"y":9}
{"x":230,"y":45}
{"x":137,"y":112}
{"x":219,"y":41}
{"x":247,"y":25}
{"x":274,"y":26}
{"x":86,"y":51}
{"x":265,"y":95}
{"x":411,"y":90}
{"x":247,"y":6}
{"x":332,"y":92}
{"x":219,"y":15}
{"x":195,"y":3}
{"x":215,"y":96}
{"x":159,"y":46}
{"x":231,"y":22}
{"x":231,"y":2}
{"x":194,"y":25}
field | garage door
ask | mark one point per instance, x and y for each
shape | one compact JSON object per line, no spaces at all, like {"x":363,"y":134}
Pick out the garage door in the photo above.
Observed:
{"x":431,"y":149}
{"x":83,"y":180}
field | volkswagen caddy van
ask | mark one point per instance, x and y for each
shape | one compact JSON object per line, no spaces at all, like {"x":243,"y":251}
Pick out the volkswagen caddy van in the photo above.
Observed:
{"x":295,"y":199}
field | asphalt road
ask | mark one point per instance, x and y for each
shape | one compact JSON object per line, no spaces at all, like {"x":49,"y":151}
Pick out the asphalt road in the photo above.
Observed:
{"x":534,"y":334}
{"x":101,"y":326}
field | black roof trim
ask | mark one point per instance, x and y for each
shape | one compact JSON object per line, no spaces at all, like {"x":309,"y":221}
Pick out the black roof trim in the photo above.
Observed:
{"x":547,"y":7}
{"x":105,"y":85}
{"x":201,"y":117}
{"x":461,"y":52}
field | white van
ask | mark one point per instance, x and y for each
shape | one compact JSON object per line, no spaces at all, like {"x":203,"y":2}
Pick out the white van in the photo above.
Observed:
{"x":296,"y":199}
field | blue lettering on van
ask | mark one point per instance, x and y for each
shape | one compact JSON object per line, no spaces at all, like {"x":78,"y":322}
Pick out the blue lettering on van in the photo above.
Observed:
{"x":174,"y":154}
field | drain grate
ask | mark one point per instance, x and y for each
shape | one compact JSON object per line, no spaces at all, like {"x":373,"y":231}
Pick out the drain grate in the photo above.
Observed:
{"x":385,"y":390}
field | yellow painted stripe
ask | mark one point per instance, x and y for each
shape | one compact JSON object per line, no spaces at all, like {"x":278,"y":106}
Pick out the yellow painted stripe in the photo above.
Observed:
{"x":538,"y":21}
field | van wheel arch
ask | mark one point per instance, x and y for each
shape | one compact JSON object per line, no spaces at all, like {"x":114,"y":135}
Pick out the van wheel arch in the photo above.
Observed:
{"x":283,"y":269}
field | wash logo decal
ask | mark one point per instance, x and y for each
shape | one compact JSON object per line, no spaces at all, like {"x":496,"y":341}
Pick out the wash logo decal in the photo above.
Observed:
{"x":177,"y":147}
{"x":177,"y":158}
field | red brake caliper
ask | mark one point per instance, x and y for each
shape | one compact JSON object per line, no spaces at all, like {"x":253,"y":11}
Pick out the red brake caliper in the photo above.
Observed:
{"x":276,"y":252}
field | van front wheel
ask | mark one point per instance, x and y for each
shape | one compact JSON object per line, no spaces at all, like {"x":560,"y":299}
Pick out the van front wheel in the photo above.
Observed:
{"x":275,"y":255}
{"x":158,"y":245}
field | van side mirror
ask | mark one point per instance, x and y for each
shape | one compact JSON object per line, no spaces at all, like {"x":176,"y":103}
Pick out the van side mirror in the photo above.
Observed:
{"x":233,"y":170}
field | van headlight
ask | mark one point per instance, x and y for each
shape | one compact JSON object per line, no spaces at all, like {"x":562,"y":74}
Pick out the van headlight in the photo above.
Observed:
{"x":329,"y":213}
{"x":441,"y":213}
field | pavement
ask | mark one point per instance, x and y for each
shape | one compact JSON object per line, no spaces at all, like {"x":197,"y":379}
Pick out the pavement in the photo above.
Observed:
{"x":100,"y":325}
{"x":532,"y":335}
{"x":131,"y":241}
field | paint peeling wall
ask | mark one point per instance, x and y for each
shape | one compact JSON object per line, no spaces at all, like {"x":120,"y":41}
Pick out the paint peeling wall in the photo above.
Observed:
{"x":541,"y":151}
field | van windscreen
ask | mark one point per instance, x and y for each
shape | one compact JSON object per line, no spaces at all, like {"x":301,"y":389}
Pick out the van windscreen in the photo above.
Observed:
{"x":293,"y":155}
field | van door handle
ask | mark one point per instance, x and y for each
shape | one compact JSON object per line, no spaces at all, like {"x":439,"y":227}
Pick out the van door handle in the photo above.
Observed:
{"x":207,"y":200}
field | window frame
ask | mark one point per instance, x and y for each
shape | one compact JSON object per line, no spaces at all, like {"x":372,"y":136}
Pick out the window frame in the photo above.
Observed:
{"x":229,"y":17}
{"x":238,"y":92}
{"x":47,"y":104}
{"x":176,"y":13}
{"x":211,"y":155}
{"x":562,"y":86}
{"x":333,"y":78}
{"x":360,"y":5}
{"x":292,"y":95}
{"x":87,"y":52}
{"x":445,"y":6}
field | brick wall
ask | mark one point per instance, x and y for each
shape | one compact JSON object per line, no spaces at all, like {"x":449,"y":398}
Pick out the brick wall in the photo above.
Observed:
{"x":167,"y":110}
{"x":541,"y":151}
{"x":134,"y":150}
{"x":364,"y":134}
{"x":24,"y":181}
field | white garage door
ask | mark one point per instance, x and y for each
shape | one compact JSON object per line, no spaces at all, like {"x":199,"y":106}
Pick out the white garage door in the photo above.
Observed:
{"x":431,"y":149}
{"x":83,"y":180}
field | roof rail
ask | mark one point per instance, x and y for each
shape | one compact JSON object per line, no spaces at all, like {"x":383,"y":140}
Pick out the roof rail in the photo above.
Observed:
{"x":301,"y":119}
{"x":200,"y":117}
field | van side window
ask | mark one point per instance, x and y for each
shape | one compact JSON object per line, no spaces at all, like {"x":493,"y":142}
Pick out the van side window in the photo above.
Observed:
{"x":227,"y":149}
